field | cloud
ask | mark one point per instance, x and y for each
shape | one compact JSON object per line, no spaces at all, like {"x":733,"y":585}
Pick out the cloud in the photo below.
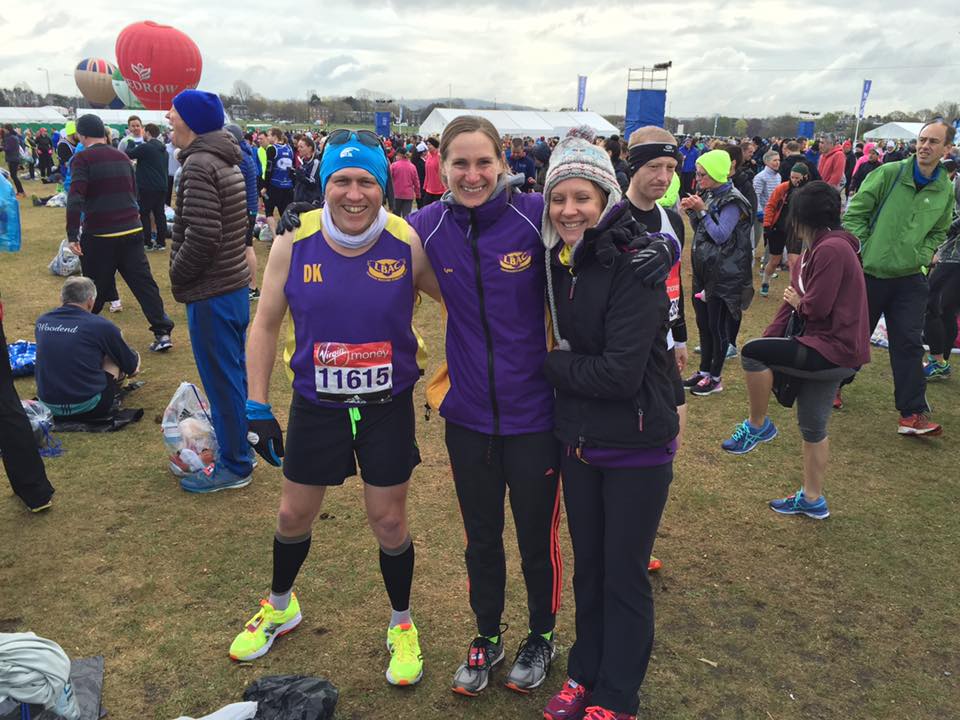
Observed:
{"x":55,"y":22}
{"x":530,"y":52}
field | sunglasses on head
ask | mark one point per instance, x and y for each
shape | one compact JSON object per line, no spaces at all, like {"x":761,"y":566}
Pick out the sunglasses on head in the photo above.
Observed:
{"x":342,"y":137}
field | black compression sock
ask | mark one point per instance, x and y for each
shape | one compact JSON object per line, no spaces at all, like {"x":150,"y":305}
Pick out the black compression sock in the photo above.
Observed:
{"x":396,"y":566}
{"x":288,"y":555}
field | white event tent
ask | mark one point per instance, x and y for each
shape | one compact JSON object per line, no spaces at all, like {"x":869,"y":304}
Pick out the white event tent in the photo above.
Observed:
{"x":895,"y":131}
{"x":521,"y":123}
{"x":119,"y":117}
{"x":31,"y":115}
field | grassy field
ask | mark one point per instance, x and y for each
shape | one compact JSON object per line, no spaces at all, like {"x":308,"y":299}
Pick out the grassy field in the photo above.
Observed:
{"x":758,"y":615}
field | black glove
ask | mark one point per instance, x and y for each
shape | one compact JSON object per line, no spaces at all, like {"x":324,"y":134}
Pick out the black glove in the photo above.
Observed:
{"x":269,"y":436}
{"x":652,"y":264}
{"x":290,"y":220}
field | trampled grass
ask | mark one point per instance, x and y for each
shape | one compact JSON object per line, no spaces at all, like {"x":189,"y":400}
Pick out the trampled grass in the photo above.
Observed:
{"x":854,"y":617}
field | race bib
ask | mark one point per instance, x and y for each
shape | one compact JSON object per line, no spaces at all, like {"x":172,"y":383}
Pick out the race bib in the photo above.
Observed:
{"x":354,"y":372}
{"x":673,"y":291}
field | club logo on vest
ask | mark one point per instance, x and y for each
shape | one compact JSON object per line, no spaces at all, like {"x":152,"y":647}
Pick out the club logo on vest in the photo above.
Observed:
{"x":515,"y":262}
{"x":386,"y":270}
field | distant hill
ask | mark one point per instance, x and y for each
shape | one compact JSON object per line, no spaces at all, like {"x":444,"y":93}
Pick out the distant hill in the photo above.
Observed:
{"x":468,"y":103}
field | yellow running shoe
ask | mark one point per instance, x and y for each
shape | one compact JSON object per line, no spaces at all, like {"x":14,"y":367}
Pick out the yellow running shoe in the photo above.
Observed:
{"x":406,"y":663}
{"x":263,"y":628}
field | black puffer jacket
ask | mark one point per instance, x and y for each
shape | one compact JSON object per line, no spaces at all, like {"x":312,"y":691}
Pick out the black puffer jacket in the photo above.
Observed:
{"x":724,"y":271}
{"x":613,"y":385}
{"x":209,"y":231}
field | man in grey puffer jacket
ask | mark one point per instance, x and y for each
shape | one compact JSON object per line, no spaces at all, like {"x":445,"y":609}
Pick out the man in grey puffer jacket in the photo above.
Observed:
{"x":208,"y":272}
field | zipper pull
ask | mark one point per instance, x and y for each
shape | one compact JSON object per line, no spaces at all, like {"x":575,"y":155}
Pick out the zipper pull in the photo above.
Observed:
{"x":640,"y":419}
{"x":573,"y":286}
{"x":426,"y":411}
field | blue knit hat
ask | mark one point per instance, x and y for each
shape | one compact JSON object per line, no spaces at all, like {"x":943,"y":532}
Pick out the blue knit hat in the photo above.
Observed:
{"x":201,"y":111}
{"x":353,"y":154}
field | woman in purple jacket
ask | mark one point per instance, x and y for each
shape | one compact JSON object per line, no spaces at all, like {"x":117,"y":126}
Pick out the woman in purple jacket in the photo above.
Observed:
{"x":483,"y":241}
{"x":827,"y":297}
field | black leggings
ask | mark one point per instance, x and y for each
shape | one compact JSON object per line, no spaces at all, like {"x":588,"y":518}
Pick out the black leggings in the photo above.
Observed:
{"x":484,"y":466}
{"x":14,"y":168}
{"x":940,"y":330}
{"x":785,"y":353}
{"x":714,"y":323}
{"x":613,"y":515}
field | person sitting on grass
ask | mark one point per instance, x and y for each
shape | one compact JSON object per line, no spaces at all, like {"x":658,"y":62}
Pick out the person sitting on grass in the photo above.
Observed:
{"x":827,"y":295}
{"x":81,"y":357}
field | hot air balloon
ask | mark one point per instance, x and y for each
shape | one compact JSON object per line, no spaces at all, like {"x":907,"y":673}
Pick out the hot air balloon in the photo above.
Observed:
{"x":93,"y":76}
{"x":125,"y":98}
{"x":157,"y":61}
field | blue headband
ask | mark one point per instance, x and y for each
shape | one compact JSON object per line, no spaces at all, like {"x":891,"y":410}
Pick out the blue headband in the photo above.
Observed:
{"x":354,"y":154}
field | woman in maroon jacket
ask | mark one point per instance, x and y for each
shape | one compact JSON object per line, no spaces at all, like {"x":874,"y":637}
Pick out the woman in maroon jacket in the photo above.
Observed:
{"x":827,"y":296}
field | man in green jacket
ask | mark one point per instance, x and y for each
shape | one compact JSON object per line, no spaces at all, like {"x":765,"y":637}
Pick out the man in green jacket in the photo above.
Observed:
{"x":901,"y":216}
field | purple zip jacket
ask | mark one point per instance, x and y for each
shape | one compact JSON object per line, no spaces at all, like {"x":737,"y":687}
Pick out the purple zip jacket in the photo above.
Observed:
{"x":489,"y":262}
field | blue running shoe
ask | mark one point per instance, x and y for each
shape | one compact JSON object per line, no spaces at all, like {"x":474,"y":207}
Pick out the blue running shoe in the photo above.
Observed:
{"x":798,"y":505}
{"x":746,"y":437}
{"x":731,"y":351}
{"x":935,"y":370}
{"x":213,"y":478}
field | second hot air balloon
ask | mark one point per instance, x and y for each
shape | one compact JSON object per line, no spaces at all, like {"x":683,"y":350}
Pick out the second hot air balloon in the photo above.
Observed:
{"x":94,"y":78}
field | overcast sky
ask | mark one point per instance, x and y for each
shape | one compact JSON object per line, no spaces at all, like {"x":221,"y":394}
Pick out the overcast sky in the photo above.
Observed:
{"x":527,"y":51}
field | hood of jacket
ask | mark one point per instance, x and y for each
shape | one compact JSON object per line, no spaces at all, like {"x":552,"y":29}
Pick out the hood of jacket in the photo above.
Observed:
{"x":836,"y":150}
{"x":843,"y":235}
{"x":219,"y":143}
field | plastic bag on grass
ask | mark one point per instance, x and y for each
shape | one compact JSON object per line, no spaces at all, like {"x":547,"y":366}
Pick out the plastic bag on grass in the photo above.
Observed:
{"x":188,"y":431}
{"x":879,"y":337}
{"x":23,"y":357}
{"x":65,"y":262}
{"x":293,"y":697}
{"x":59,"y":200}
{"x":41,"y":422}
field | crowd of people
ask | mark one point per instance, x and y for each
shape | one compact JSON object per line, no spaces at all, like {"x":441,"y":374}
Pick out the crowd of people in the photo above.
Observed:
{"x":589,"y":408}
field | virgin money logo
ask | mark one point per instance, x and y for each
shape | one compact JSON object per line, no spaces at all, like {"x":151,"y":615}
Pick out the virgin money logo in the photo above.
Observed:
{"x":332,"y":354}
{"x":141,"y":71}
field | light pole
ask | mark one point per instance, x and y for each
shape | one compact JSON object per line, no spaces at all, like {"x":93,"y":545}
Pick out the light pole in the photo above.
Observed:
{"x":48,"y":78}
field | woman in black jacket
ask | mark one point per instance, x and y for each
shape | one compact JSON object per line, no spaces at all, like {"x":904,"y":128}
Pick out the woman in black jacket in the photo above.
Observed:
{"x":616,"y":415}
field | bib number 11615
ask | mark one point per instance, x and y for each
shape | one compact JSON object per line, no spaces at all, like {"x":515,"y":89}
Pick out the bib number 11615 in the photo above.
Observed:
{"x":354,"y":372}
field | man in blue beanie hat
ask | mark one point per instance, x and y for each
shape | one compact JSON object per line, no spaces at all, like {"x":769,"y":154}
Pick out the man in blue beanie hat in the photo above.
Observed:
{"x":208,"y":272}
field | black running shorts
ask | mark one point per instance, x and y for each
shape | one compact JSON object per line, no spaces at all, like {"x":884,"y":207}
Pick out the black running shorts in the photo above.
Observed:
{"x":776,"y":242}
{"x":277,"y":198}
{"x":320,"y":448}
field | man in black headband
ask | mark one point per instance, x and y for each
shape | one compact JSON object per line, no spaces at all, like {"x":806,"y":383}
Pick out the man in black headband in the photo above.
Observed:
{"x":653,"y":160}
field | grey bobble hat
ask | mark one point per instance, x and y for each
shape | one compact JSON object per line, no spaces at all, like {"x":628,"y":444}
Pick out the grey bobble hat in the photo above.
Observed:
{"x":577,"y":157}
